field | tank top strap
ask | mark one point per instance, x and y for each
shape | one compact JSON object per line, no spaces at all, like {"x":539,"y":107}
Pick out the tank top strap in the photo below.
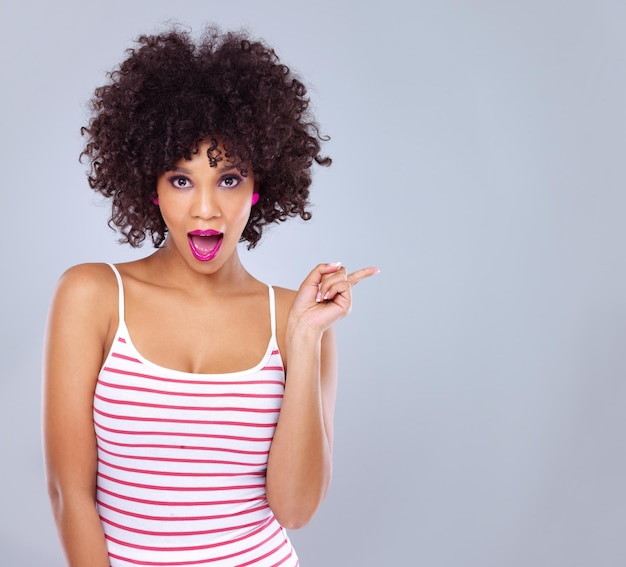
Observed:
{"x":272,"y":311}
{"x":120,"y":287}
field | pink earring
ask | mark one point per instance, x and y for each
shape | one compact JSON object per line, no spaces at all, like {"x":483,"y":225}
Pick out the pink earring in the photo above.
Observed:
{"x":154,"y":198}
{"x":255,"y":198}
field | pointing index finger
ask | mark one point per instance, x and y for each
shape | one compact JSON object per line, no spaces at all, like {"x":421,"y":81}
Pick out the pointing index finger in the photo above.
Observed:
{"x":355,"y":277}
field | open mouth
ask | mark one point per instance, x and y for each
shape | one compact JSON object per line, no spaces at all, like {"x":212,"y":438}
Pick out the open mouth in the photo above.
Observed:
{"x":205,"y":244}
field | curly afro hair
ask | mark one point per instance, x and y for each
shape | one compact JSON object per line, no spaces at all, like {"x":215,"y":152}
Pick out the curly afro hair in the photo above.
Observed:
{"x":172,"y":93}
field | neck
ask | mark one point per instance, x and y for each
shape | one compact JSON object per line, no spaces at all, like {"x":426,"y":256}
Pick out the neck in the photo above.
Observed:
{"x":176,"y":272}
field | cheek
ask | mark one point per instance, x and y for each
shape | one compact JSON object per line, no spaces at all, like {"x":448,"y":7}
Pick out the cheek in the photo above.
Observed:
{"x":240,"y":207}
{"x":241,"y":216}
{"x":171,"y":211}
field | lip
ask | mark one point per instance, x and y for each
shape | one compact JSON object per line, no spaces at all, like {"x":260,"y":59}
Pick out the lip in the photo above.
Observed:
{"x":205,"y":233}
{"x":213,"y":252}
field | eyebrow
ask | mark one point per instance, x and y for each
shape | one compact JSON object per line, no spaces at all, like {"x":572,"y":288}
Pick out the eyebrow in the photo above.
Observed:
{"x":178,"y":169}
{"x":220,"y":169}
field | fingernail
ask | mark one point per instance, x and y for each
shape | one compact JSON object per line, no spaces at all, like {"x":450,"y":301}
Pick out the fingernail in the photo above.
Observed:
{"x":335,"y":264}
{"x":319,"y":296}
{"x":326,"y":295}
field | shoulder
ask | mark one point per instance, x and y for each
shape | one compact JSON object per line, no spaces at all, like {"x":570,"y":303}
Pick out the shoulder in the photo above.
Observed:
{"x":87,"y":288}
{"x":87,"y":280}
{"x":284,"y":296}
{"x":83,"y":311}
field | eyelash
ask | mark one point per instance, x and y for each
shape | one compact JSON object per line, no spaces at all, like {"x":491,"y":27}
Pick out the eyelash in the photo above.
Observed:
{"x":178,"y":178}
{"x":237,"y":180}
{"x":175,"y":180}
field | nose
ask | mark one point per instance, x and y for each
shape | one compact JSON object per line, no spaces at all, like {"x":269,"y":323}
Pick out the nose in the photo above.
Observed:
{"x":205,"y":204}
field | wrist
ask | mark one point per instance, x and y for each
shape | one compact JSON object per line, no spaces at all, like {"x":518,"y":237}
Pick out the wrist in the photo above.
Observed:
{"x":303,"y":334}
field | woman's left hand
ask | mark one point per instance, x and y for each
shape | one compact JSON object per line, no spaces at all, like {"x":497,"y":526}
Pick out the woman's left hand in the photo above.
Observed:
{"x":325,"y":296}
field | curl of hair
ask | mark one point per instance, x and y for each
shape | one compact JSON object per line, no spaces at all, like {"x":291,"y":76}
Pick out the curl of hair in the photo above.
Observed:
{"x":169,"y":95}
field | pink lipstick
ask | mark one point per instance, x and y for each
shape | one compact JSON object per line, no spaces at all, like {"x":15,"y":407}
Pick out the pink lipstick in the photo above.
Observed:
{"x":205,"y":244}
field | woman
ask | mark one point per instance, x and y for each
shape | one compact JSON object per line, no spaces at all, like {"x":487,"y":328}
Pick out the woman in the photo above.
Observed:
{"x":188,"y":407}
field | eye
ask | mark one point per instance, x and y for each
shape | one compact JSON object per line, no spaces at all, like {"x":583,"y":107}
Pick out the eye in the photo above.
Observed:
{"x":180,"y":182}
{"x":230,"y":181}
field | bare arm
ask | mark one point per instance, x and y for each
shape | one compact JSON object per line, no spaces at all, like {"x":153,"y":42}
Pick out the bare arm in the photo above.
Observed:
{"x":76,"y":336}
{"x":300,"y":462}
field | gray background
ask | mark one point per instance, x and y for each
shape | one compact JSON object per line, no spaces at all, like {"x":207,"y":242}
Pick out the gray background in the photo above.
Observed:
{"x":479,"y":162}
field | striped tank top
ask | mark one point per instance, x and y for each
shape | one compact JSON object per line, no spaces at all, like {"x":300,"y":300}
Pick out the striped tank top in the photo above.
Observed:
{"x":182,"y":460}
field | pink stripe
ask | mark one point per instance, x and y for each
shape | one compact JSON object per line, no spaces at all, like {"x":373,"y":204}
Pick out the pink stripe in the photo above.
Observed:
{"x":177,"y":434}
{"x":170,"y":460}
{"x":124,"y":357}
{"x":181,"y":488}
{"x":202,"y":382}
{"x":190,"y":394}
{"x":186,"y":408}
{"x":165,"y":503}
{"x":165,"y":534}
{"x":268,"y":554}
{"x":189,"y":421}
{"x":184,"y":519}
{"x":182,"y":474}
{"x":273,"y":368}
{"x":200,"y":547}
{"x":285,"y":559}
{"x":183,"y":448}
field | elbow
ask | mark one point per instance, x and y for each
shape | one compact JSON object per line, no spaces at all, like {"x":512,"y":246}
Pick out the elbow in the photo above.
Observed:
{"x":294,"y":494}
{"x":297,"y":510}
{"x":56,"y":499}
{"x":295,"y":525}
{"x":65,"y":500}
{"x":296,"y":518}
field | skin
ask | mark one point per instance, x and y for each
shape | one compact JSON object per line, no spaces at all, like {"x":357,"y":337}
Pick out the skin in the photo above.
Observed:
{"x":211,"y":317}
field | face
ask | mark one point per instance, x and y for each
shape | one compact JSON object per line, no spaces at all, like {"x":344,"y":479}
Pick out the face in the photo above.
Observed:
{"x":205,"y":209}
